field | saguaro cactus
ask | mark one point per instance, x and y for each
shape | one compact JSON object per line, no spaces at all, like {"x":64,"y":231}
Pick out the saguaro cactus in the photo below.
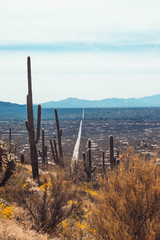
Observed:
{"x":22,"y":158}
{"x":30,"y":124}
{"x":55,"y":153}
{"x":59,"y":134}
{"x":118,"y":160}
{"x":10,"y":140}
{"x":112,"y":158}
{"x":43,"y":154}
{"x":111,"y":151}
{"x":104,"y":167}
{"x":88,"y":162}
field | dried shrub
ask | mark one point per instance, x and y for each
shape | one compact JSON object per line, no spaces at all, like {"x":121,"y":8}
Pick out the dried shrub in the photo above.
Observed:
{"x":128,"y":204}
{"x":51,"y":203}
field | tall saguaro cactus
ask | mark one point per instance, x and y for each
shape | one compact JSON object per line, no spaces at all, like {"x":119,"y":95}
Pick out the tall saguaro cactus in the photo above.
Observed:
{"x":30,"y":124}
{"x":59,"y":134}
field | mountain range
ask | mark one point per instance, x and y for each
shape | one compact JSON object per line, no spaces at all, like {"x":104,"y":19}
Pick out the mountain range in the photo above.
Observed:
{"x":150,"y":101}
{"x":13,"y":111}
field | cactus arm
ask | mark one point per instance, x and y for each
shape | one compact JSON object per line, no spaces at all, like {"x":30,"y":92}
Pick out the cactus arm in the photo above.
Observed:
{"x":43,"y":153}
{"x":59,"y":133}
{"x":38,"y":123}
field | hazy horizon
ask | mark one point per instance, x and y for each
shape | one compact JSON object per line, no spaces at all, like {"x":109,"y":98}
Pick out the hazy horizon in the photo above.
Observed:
{"x":81,"y":99}
{"x":90,"y":50}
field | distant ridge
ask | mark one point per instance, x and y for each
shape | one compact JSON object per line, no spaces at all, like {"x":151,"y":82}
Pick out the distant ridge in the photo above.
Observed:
{"x":149,"y":101}
{"x":13,"y":111}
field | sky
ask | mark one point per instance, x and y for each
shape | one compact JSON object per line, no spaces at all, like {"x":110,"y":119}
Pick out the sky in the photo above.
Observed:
{"x":79,"y":48}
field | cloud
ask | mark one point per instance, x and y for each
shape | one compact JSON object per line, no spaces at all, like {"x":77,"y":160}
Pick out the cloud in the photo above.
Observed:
{"x":73,"y":20}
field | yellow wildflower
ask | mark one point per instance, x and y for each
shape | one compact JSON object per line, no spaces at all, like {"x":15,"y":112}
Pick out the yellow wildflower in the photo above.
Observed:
{"x":5,"y":211}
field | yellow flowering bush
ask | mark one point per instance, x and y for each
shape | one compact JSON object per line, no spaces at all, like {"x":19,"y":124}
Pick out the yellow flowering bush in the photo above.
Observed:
{"x":6,"y":212}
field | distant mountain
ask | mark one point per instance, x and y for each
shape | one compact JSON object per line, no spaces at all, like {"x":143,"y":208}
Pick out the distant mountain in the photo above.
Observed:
{"x":150,"y":101}
{"x":13,"y":111}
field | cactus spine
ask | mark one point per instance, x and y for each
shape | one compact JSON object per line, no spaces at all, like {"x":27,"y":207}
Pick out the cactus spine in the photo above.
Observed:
{"x":43,"y":154}
{"x":88,"y":162}
{"x":30,"y":124}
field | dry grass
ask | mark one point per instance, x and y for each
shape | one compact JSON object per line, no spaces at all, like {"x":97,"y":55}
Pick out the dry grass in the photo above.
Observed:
{"x":10,"y":230}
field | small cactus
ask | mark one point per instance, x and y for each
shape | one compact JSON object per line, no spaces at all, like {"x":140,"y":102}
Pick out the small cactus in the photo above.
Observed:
{"x":87,"y":162}
{"x":10,"y":140}
{"x":8,"y":173}
{"x":57,"y":153}
{"x":111,"y":152}
{"x":104,"y":167}
{"x":22,"y":158}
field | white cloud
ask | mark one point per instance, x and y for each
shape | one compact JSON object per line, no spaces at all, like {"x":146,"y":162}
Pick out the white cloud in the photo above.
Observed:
{"x":60,"y":20}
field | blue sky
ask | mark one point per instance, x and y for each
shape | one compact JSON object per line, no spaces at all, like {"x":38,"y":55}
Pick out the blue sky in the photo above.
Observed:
{"x":87,"y":49}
